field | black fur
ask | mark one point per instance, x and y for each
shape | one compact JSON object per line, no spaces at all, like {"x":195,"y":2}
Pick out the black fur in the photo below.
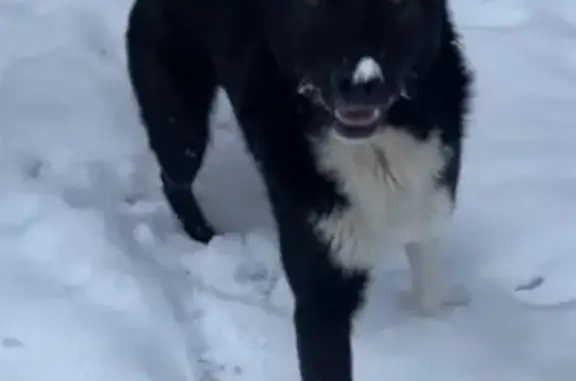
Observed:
{"x":180,"y":50}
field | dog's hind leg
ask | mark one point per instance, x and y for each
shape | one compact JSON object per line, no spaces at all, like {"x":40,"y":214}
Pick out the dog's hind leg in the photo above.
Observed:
{"x":174,"y":84}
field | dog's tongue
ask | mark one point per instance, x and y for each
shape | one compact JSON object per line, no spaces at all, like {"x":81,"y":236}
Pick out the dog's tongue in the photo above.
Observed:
{"x":358,"y":117}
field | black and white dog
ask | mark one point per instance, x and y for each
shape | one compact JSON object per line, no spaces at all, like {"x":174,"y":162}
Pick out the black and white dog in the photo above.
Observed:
{"x":354,"y":111}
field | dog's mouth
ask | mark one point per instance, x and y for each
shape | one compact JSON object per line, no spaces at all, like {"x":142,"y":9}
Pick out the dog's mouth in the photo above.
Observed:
{"x":349,"y":121}
{"x":357,"y":121}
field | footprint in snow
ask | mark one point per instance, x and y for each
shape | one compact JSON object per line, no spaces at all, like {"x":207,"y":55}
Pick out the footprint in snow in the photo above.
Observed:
{"x":532,"y":284}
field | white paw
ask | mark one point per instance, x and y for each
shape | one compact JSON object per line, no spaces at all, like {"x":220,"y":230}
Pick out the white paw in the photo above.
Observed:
{"x":456,"y":296}
{"x":430,"y":301}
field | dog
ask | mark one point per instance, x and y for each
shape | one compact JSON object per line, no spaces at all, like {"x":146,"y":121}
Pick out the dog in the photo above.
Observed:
{"x":353,"y":110}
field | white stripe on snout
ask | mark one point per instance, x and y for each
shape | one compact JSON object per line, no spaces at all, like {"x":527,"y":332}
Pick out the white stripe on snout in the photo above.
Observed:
{"x":366,"y":70}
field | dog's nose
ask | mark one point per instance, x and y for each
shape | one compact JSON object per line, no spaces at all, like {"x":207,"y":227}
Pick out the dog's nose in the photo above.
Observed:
{"x":363,"y":85}
{"x":363,"y":92}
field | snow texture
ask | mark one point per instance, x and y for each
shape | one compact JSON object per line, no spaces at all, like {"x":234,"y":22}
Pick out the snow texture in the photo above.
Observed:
{"x":97,"y":282}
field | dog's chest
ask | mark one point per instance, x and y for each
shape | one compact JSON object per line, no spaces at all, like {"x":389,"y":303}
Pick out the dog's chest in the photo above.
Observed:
{"x":391,"y":183}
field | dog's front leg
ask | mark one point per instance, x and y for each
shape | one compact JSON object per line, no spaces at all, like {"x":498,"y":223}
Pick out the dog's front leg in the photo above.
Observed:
{"x":323,"y":343}
{"x":326,"y":299}
{"x":432,"y":289}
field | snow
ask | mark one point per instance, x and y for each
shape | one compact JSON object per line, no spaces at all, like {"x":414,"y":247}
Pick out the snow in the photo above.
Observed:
{"x":97,"y":281}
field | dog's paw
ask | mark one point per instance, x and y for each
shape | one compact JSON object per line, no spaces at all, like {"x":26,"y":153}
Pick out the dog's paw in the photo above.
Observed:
{"x":457,"y":295}
{"x":201,"y":232}
{"x":431,"y":301}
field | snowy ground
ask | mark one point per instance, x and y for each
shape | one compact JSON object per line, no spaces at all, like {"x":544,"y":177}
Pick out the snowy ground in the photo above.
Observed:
{"x":97,"y":283}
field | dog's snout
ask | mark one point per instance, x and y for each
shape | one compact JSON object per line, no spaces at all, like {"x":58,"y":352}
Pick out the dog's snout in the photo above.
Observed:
{"x":372,"y":91}
{"x":364,"y":84}
{"x":347,"y":87}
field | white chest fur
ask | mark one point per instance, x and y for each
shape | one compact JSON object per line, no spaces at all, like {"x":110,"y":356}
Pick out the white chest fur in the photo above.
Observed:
{"x":390,"y":181}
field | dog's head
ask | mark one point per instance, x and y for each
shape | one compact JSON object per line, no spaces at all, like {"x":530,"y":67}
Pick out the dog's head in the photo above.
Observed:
{"x":355,"y":57}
